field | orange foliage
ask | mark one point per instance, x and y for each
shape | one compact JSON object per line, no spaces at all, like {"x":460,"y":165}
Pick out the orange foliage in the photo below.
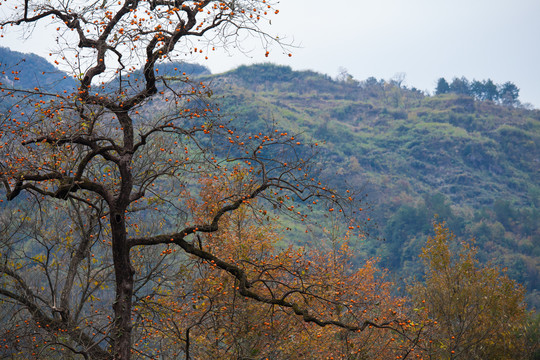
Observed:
{"x":204,"y":316}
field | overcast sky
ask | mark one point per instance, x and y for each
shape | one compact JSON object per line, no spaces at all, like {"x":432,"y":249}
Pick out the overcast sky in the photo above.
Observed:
{"x":424,"y":39}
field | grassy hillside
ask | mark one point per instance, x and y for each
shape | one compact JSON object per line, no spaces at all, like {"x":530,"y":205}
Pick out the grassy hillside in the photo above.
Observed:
{"x":473,"y":164}
{"x":472,"y":152}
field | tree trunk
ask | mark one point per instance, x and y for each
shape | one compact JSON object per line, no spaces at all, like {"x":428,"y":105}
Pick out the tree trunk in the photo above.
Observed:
{"x":122,"y":325}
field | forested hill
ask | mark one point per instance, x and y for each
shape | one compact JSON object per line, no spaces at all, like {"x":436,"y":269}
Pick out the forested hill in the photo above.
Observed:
{"x":474,"y":164}
{"x":398,"y":139}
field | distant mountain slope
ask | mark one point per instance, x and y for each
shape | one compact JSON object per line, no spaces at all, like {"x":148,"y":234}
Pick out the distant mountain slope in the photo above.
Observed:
{"x":26,"y":71}
{"x":473,"y":152}
{"x":473,"y":163}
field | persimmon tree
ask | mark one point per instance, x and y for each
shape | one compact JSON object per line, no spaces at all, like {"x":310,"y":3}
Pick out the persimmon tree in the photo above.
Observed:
{"x":53,"y":257}
{"x":211,"y":320}
{"x":128,"y":144}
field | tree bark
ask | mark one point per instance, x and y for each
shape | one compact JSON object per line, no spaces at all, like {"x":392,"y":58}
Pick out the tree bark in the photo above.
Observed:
{"x":122,"y":325}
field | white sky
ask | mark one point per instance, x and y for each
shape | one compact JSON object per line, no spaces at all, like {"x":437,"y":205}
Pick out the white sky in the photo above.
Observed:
{"x":425,"y":39}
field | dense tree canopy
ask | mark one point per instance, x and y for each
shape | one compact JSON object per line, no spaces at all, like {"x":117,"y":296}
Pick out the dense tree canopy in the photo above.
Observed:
{"x":506,"y":94}
{"x":442,"y":86}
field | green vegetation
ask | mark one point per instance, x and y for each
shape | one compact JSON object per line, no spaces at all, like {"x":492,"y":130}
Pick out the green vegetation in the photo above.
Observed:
{"x":417,"y":156}
{"x":506,"y":94}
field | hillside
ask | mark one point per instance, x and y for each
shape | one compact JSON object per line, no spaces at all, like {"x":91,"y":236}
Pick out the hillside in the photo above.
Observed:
{"x":471,"y":163}
{"x":26,"y":71}
{"x":472,"y":152}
